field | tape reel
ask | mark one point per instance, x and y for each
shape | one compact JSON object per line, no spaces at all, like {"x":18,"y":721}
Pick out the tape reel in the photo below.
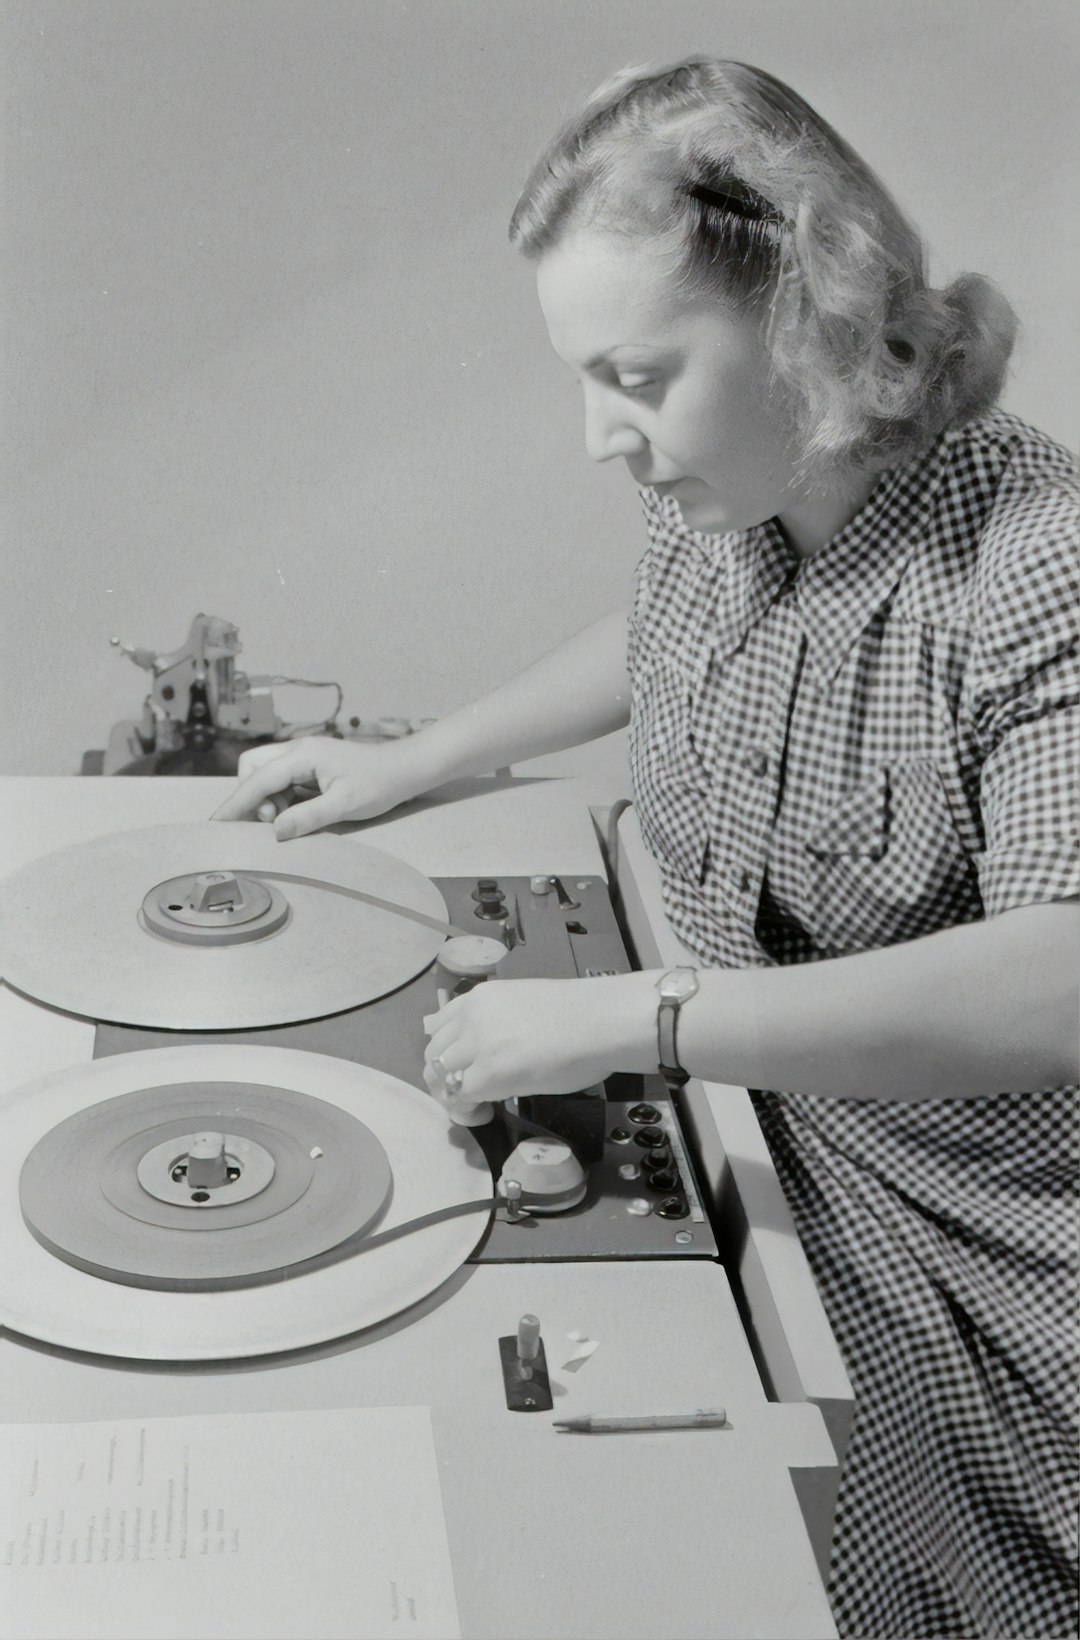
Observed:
{"x":171,"y":927}
{"x":112,"y":1273}
{"x":199,"y":1186}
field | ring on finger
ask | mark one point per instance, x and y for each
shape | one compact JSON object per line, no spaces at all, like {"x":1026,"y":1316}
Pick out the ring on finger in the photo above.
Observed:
{"x":449,"y":1080}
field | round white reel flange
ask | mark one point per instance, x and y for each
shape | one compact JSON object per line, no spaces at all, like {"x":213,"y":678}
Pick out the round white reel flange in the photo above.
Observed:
{"x":434,"y":1166}
{"x":73,"y":936}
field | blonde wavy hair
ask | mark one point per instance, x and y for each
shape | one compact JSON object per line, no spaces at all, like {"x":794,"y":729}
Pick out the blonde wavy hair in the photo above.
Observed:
{"x":761,"y":203}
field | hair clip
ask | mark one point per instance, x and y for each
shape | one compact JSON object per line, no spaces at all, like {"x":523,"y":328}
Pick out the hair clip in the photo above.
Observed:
{"x":737,"y":200}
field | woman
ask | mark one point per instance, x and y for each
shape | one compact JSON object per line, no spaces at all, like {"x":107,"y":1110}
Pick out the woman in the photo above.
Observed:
{"x":852,"y":665}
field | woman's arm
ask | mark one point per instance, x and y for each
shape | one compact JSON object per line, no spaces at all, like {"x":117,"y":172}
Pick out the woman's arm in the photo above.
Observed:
{"x":576,"y":693}
{"x":989,"y":1007}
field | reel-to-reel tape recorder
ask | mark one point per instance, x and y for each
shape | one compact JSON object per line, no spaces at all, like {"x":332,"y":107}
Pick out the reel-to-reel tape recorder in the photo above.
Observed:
{"x":251,"y":1162}
{"x":231,"y":1208}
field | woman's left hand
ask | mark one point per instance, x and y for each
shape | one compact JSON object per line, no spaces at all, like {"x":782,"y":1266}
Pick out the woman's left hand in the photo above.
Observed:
{"x":509,"y":1037}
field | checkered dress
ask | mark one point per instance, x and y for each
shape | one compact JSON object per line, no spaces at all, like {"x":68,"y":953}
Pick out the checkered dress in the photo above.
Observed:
{"x":841,"y":753}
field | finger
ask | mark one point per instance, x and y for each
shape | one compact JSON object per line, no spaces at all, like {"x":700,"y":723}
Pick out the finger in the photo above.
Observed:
{"x":444,"y":1083}
{"x":446,"y":1049}
{"x":470,"y":1101}
{"x":275,"y":774}
{"x":432,"y":1022}
{"x":434,"y":1080}
{"x":256,"y":756}
{"x":445,"y":1035}
{"x":270,"y":807}
{"x":303,"y":818}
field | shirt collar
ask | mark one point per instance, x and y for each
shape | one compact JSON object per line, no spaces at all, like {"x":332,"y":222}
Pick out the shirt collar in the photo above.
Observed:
{"x":838,"y":589}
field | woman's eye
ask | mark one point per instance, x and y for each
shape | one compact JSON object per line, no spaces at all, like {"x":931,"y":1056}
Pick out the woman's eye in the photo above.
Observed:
{"x":636,"y":384}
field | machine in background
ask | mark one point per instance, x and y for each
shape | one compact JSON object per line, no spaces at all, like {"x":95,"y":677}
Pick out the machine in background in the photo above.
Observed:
{"x":202,"y":712}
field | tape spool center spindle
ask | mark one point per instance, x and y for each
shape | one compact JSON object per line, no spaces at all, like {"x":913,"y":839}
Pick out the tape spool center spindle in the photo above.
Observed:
{"x":214,"y":908}
{"x":206,"y":1169}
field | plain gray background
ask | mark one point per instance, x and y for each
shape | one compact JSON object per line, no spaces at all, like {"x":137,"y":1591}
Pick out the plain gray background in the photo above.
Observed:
{"x":269,"y":356}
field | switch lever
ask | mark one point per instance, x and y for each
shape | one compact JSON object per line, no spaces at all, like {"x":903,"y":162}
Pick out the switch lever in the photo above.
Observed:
{"x":524,"y":1368}
{"x":565,"y":902}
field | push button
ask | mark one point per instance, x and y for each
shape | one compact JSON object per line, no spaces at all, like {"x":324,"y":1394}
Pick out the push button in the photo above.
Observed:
{"x":647,"y":1137}
{"x":664,"y":1180}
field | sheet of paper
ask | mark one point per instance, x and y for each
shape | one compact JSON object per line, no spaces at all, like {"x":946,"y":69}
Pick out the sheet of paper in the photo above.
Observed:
{"x":276,"y":1526}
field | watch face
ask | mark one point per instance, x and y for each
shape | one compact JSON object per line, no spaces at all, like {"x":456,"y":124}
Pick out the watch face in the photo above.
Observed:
{"x":679,"y":984}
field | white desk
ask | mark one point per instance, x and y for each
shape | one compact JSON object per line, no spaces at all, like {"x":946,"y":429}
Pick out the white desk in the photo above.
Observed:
{"x":680,"y":1535}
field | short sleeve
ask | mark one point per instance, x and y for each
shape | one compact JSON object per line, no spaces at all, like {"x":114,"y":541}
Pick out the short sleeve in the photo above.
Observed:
{"x":1022,"y":690}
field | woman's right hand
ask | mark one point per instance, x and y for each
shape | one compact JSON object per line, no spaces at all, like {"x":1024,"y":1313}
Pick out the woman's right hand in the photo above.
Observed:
{"x":355,"y":781}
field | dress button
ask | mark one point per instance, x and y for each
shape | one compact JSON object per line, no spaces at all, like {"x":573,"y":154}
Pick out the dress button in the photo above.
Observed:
{"x":757,"y":762}
{"x":744,"y":882}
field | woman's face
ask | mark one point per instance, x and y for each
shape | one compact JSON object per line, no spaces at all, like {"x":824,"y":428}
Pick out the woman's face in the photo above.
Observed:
{"x":674,"y":385}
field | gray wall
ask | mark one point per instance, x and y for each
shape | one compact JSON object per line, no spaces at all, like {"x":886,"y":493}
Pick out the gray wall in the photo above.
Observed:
{"x":269,"y":356}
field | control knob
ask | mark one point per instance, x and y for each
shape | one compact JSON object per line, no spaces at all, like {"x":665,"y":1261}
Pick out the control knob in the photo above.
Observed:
{"x":548,"y":1176}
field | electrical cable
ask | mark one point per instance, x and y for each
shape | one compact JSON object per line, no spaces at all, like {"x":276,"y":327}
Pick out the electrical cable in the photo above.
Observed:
{"x":292,"y":731}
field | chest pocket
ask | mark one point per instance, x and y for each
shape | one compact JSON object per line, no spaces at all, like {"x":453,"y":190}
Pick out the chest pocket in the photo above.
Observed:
{"x":670,"y":783}
{"x":886,"y":863}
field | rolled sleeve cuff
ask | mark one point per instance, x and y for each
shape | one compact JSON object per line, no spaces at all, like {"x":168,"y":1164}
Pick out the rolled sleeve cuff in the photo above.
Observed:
{"x":1029,"y":875}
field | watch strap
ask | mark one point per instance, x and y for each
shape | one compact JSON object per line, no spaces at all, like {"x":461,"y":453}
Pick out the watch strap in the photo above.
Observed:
{"x":667,"y":1029}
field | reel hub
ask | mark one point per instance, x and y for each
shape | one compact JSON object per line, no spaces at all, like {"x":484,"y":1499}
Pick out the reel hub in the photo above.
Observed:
{"x":214,"y":908}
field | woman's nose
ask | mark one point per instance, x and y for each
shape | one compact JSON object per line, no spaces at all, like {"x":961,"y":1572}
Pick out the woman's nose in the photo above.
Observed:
{"x":608,"y":432}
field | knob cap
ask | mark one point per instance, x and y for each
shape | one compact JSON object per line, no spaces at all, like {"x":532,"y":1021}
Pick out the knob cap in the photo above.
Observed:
{"x":550,"y":1175}
{"x":471,"y":956}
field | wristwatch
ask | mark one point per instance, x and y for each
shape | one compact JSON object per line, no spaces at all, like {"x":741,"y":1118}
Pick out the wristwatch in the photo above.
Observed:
{"x":677,"y":986}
